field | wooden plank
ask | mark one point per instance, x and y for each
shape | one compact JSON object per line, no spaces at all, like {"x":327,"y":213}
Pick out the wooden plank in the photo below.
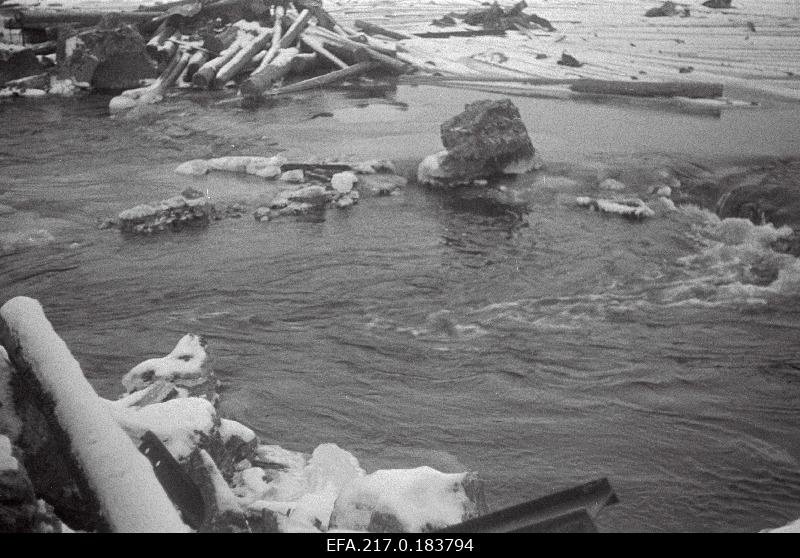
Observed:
{"x":326,"y":79}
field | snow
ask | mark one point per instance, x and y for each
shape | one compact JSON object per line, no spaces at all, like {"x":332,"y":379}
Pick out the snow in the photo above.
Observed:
{"x":793,"y":527}
{"x":7,"y":461}
{"x":625,"y":207}
{"x":185,"y":363}
{"x":343,"y":182}
{"x":178,"y":423}
{"x":420,"y":499}
{"x":122,"y":479}
{"x":230,"y":428}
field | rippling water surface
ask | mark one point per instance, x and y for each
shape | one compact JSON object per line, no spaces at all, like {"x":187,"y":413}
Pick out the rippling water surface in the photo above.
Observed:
{"x":518,"y":335}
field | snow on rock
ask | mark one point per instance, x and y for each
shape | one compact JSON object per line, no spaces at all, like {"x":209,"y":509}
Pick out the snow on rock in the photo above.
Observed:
{"x":343,"y":182}
{"x":173,"y":213}
{"x":195,"y":167}
{"x":265,"y":167}
{"x":229,"y":429}
{"x":7,"y":461}
{"x":407,"y":500}
{"x":187,"y":366}
{"x":295,"y":175}
{"x":629,"y":207}
{"x":129,"y":496}
{"x":181,"y":424}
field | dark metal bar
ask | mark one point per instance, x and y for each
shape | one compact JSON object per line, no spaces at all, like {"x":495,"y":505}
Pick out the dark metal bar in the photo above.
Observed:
{"x":551,"y":512}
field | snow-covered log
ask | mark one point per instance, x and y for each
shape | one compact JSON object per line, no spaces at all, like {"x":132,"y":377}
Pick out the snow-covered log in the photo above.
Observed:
{"x":117,"y":487}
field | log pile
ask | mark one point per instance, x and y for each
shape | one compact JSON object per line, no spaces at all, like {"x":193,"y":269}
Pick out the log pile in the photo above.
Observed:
{"x":267,"y":48}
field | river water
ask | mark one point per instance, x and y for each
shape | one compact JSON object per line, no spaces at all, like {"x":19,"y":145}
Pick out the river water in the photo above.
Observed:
{"x":516,"y":335}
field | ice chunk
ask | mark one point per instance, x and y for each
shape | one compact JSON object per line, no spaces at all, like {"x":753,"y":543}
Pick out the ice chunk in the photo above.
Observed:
{"x":186,"y":365}
{"x":410,"y":500}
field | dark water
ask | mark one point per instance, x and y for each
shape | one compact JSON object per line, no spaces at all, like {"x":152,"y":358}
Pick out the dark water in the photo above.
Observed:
{"x":518,"y":336}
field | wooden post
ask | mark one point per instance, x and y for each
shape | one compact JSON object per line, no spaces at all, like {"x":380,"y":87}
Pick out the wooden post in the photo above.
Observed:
{"x":372,"y":29}
{"x":327,"y":79}
{"x":317,"y":46}
{"x":204,"y":77}
{"x":693,"y":90}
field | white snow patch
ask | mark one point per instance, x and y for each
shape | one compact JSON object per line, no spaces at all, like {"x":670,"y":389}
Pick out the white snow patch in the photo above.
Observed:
{"x":226,"y":500}
{"x":130,"y":497}
{"x":7,"y":461}
{"x":343,"y":182}
{"x":230,"y":428}
{"x":184,"y":365}
{"x":793,"y":527}
{"x":10,"y":423}
{"x":178,"y":423}
{"x":420,"y":499}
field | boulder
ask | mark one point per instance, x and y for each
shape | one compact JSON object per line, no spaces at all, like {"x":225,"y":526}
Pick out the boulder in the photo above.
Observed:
{"x":111,"y":58}
{"x":343,"y":182}
{"x":17,"y":62}
{"x":717,"y":4}
{"x":667,"y":9}
{"x":487,"y":139}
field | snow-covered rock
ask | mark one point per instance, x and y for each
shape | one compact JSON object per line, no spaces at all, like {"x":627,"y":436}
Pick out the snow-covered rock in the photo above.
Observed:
{"x":793,"y":527}
{"x":405,"y":500}
{"x":295,"y":175}
{"x":10,"y":423}
{"x":173,"y":213}
{"x":343,"y":182}
{"x":612,"y":185}
{"x":187,"y":366}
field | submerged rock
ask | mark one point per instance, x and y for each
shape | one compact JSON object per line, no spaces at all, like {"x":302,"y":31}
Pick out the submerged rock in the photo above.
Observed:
{"x":775,"y":200}
{"x":174,"y":214}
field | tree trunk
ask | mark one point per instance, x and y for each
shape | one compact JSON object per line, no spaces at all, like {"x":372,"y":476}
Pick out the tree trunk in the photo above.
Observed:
{"x":261,"y":80}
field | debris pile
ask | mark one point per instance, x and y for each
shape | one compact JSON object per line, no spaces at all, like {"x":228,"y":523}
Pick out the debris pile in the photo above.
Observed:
{"x":498,"y":18}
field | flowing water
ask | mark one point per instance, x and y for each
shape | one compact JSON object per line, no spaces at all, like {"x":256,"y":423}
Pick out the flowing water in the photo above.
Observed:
{"x":516,"y":335}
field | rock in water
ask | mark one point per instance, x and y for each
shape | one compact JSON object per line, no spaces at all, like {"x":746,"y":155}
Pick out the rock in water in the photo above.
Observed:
{"x":174,"y":213}
{"x":111,"y":58}
{"x":487,"y":139}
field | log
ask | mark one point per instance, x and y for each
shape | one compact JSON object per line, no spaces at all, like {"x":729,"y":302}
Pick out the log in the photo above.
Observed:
{"x":47,"y":47}
{"x":164,"y":30}
{"x":39,"y":81}
{"x":204,"y":77}
{"x":693,"y":90}
{"x":359,"y":52}
{"x":295,"y":29}
{"x":304,"y":63}
{"x":275,"y":47}
{"x":154,"y":92}
{"x":168,"y":48}
{"x":317,"y":46}
{"x":241,"y":58}
{"x":195,"y":62}
{"x":324,"y":19}
{"x":467,"y":33}
{"x":261,"y":80}
{"x":372,"y":29}
{"x":50,"y":18}
{"x":327,"y":79}
{"x":119,"y":489}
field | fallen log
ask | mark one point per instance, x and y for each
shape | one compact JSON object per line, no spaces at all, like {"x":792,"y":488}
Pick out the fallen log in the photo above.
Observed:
{"x":270,"y":73}
{"x":39,"y":81}
{"x":295,"y":29}
{"x":236,"y":64}
{"x":317,"y":46}
{"x":47,"y":47}
{"x":327,"y":79}
{"x":358,"y":52}
{"x":154,"y":92}
{"x":195,"y":62}
{"x":168,"y":48}
{"x":205,"y":76}
{"x":692,"y":90}
{"x":372,"y":29}
{"x":27,"y":18}
{"x":162,"y":33}
{"x":119,"y":490}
